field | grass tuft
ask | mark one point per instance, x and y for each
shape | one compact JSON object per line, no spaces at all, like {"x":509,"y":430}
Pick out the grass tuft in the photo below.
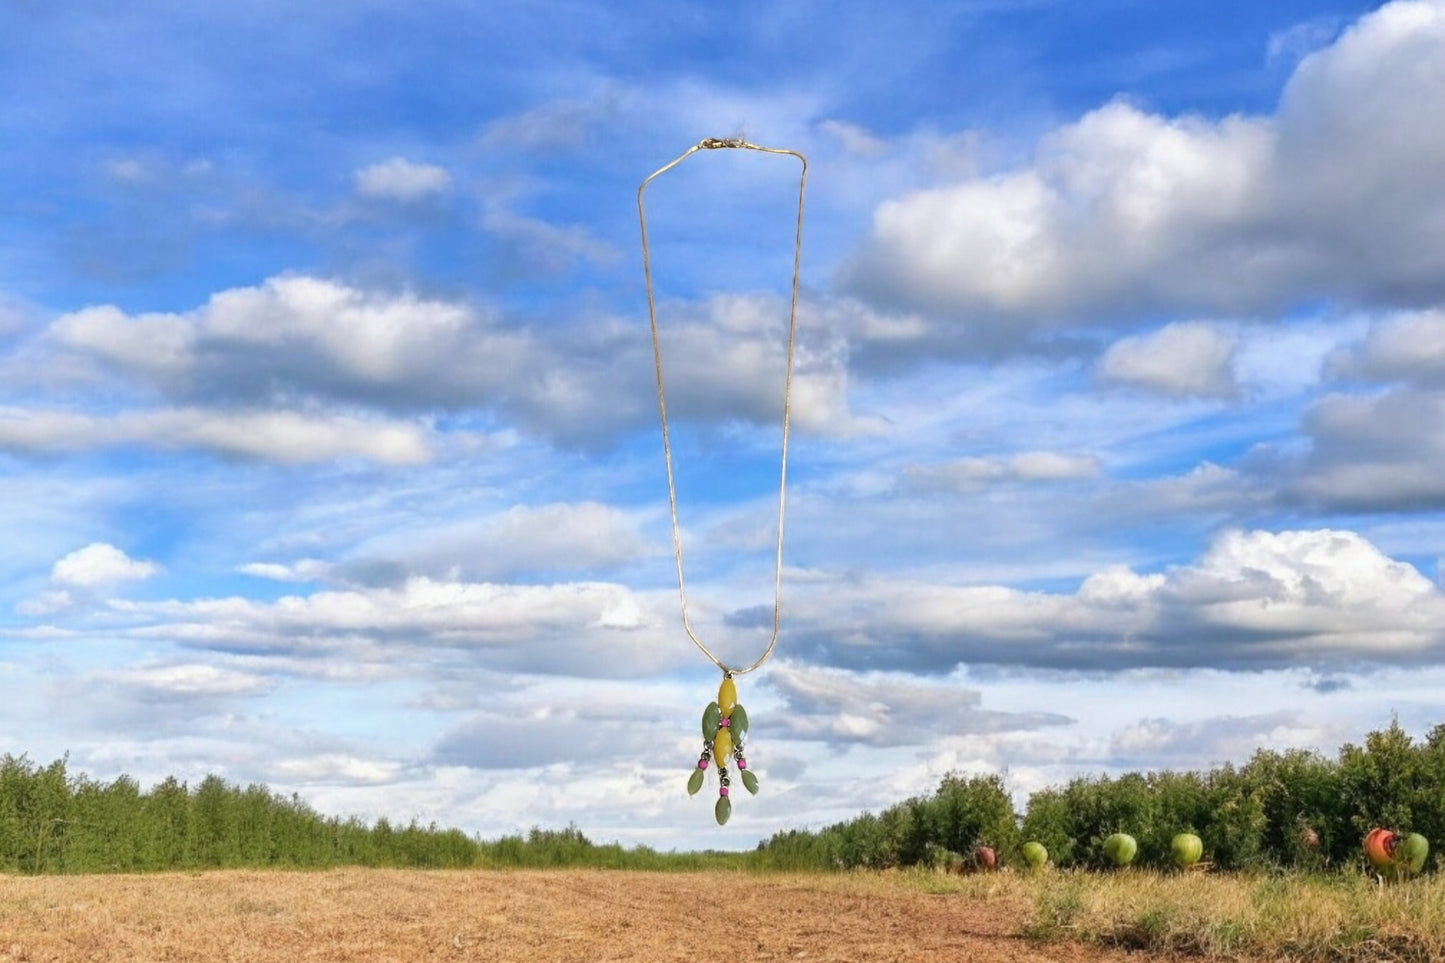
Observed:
{"x":1331,"y":919}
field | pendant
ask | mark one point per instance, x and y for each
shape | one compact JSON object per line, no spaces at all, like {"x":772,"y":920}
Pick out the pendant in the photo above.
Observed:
{"x":724,"y":727}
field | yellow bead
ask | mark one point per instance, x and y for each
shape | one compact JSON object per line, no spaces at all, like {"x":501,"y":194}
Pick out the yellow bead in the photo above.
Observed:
{"x":722,"y":747}
{"x":727,"y":697}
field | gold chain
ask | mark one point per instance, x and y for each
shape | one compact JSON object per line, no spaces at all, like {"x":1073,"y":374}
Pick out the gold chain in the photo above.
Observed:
{"x":712,"y":143}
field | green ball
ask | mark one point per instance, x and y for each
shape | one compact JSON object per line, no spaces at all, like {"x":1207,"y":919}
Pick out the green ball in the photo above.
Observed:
{"x":1120,"y":849}
{"x":1035,"y":855}
{"x":1410,"y":853}
{"x":1186,"y":850}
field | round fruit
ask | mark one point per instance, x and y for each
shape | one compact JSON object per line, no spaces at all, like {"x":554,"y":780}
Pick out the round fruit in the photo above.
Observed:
{"x":1410,"y":853}
{"x":1035,"y":855}
{"x":1380,"y":848}
{"x":1186,"y":849}
{"x":1120,"y":849}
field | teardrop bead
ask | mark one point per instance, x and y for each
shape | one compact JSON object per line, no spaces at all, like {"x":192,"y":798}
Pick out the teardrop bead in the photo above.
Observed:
{"x":722,"y":747}
{"x":727,"y":696}
{"x":711,"y":719}
{"x":749,"y":780}
{"x":694,"y":782}
{"x":738,"y":723}
{"x":722,"y":810}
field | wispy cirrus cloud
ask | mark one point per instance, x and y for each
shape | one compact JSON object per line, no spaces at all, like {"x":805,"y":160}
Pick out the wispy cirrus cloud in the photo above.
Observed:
{"x":282,"y":436}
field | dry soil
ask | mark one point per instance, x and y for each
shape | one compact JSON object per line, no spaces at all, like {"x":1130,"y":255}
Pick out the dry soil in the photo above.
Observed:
{"x":517,"y":917}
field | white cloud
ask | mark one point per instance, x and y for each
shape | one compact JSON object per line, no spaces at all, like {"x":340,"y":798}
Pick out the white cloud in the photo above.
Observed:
{"x":399,"y":179}
{"x":724,"y":359}
{"x":588,"y":628}
{"x":282,"y":436}
{"x":546,"y":248}
{"x":1183,"y":359}
{"x":1295,"y":42}
{"x":1371,"y":452}
{"x":148,"y":342}
{"x":967,"y":474}
{"x":840,"y":707}
{"x":1407,"y":346}
{"x":855,"y":139}
{"x":185,"y":680}
{"x":557,"y":126}
{"x":1201,"y":742}
{"x":298,"y":341}
{"x":46,"y":603}
{"x":1124,"y":213}
{"x":338,"y":768}
{"x":100,"y":564}
{"x":304,"y":570}
{"x":1253,"y":599}
{"x":553,"y":538}
{"x":1112,"y":204}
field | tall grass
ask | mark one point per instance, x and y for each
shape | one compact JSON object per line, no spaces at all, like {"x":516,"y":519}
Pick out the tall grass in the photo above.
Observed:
{"x":1339,"y":918}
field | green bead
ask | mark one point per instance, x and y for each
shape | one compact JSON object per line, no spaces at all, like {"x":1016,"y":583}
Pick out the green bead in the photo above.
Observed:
{"x":749,"y":780}
{"x":711,"y":720}
{"x":738,"y":723}
{"x":723,"y":810}
{"x":694,"y":782}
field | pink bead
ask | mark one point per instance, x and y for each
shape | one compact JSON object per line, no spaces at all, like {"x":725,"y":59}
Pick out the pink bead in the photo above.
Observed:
{"x":742,"y":763}
{"x":723,"y":724}
{"x":723,"y":791}
{"x":702,"y":763}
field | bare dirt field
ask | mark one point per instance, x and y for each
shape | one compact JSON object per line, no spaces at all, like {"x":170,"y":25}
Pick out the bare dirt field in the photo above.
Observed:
{"x":514,"y":916}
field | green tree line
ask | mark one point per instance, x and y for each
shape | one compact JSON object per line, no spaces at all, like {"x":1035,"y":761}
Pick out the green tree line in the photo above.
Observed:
{"x":1279,"y":810}
{"x":52,"y":821}
{"x":1292,"y":809}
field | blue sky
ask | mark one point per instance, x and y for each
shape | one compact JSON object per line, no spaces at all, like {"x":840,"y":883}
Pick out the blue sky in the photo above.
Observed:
{"x":329,"y":453}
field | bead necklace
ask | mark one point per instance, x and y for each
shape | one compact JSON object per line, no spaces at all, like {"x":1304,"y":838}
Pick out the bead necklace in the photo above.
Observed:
{"x":725,"y":721}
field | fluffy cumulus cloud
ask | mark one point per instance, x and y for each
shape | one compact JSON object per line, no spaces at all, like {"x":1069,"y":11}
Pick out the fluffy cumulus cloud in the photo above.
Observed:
{"x":1253,"y":599}
{"x":84,"y":574}
{"x":1376,"y":452}
{"x":1406,"y":346}
{"x":1183,"y":359}
{"x":588,"y":628}
{"x":1373,"y":442}
{"x":100,"y":565}
{"x":399,"y":179}
{"x":282,"y":350}
{"x":1125,"y":213}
